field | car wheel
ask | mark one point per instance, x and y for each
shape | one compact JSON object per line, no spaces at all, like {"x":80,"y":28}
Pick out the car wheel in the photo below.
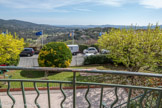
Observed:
{"x":29,"y":55}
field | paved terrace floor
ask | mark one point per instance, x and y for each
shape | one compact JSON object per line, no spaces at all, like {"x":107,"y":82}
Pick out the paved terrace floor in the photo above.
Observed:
{"x":57,"y":97}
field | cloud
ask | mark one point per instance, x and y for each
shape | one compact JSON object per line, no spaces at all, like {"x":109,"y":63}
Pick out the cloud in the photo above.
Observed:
{"x":34,"y":4}
{"x":55,"y":5}
{"x":111,"y":2}
{"x":84,"y":10}
{"x":51,"y":4}
{"x":156,"y":4}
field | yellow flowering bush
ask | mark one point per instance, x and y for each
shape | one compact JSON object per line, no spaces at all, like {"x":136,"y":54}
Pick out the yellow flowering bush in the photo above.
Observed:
{"x":134,"y":48}
{"x":55,"y":54}
{"x":10,"y":48}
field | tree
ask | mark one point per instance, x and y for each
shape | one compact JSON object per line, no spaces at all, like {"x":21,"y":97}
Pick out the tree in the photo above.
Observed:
{"x":134,"y":48}
{"x":10,"y":47}
{"x":55,"y":54}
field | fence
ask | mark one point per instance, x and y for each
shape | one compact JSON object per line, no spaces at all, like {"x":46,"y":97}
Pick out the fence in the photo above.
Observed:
{"x":150,"y":97}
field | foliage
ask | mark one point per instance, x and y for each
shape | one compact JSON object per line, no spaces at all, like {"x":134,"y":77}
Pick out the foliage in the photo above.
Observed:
{"x":97,"y":59}
{"x":13,"y":61}
{"x":10,"y":48}
{"x":27,"y":44}
{"x":82,"y":47}
{"x":55,"y":54}
{"x":134,"y":48}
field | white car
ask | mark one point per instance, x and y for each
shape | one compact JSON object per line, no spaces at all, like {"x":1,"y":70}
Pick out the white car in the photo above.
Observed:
{"x":88,"y":54}
{"x":90,"y":50}
{"x":104,"y":51}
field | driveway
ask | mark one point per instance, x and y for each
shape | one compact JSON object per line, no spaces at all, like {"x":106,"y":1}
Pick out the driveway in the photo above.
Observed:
{"x":28,"y":61}
{"x":33,"y":61}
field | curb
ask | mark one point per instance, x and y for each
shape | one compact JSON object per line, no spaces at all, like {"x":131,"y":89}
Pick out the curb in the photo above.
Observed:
{"x":45,"y":88}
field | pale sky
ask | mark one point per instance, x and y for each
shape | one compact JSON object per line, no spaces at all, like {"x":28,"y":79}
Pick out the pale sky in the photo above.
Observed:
{"x":83,"y":12}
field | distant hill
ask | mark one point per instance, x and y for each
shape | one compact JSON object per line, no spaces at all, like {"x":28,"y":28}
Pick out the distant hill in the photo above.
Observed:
{"x":103,"y":26}
{"x":27,"y":29}
{"x":52,"y":33}
{"x":24,"y":24}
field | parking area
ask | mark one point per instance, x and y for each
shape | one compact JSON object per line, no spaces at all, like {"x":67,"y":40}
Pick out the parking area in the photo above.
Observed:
{"x":32,"y":61}
{"x":28,"y":61}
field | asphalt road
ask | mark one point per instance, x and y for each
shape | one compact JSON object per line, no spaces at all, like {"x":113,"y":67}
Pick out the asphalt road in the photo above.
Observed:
{"x":33,"y":61}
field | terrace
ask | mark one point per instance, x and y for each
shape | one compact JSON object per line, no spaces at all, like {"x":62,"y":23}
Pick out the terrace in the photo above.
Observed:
{"x":79,"y":94}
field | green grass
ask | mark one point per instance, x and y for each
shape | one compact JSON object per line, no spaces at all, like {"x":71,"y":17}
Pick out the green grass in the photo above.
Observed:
{"x":39,"y":75}
{"x":66,"y":76}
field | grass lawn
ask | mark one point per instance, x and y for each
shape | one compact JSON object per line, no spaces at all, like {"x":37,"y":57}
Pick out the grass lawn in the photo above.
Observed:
{"x":64,"y":76}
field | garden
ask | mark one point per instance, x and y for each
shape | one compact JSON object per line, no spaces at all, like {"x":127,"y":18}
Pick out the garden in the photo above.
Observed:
{"x":130,"y":50}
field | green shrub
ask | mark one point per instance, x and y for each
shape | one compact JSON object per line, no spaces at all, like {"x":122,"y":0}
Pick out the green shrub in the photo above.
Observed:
{"x":82,"y":47}
{"x":97,"y":59}
{"x":13,"y":61}
{"x":55,"y":54}
{"x":134,"y":48}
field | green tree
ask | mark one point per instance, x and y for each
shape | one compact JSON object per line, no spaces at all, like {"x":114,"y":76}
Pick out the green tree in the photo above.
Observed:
{"x":26,"y":44}
{"x":55,"y":54}
{"x":10,"y":48}
{"x":133,"y":48}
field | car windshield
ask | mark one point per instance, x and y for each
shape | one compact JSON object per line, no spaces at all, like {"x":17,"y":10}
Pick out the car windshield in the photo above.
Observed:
{"x":26,"y":49}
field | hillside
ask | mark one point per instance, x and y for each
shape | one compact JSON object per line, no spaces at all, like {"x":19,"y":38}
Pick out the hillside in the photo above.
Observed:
{"x":27,"y":29}
{"x":84,"y":34}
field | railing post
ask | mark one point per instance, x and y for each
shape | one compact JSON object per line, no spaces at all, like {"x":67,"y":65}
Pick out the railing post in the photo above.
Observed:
{"x":101,"y":96}
{"x":46,"y":74}
{"x":129,"y":97}
{"x":48,"y":91}
{"x":23,"y":93}
{"x":74,"y":89}
{"x":0,"y":104}
{"x":159,"y":99}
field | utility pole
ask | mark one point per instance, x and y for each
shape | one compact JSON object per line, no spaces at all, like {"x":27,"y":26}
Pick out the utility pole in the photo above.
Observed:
{"x":73,"y":37}
{"x":42,"y":38}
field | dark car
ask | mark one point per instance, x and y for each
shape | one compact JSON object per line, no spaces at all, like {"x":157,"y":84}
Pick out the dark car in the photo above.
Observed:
{"x":27,"y":52}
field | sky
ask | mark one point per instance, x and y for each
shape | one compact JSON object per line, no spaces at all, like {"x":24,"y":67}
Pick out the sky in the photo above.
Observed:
{"x":83,"y":12}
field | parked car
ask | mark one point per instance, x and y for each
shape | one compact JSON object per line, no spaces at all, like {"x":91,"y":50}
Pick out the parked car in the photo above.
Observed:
{"x":104,"y":51}
{"x":27,"y":52}
{"x":88,"y":54}
{"x":90,"y":50}
{"x":74,"y":49}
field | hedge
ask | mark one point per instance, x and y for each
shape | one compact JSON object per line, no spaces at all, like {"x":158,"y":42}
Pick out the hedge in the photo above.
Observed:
{"x":97,"y":59}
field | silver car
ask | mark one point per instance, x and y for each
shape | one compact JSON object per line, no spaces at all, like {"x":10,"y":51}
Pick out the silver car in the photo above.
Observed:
{"x":90,"y":50}
{"x":104,"y":51}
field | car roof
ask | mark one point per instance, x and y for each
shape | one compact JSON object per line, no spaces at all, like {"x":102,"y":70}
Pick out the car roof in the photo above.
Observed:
{"x":72,"y":45}
{"x":91,"y":47}
{"x":28,"y":48}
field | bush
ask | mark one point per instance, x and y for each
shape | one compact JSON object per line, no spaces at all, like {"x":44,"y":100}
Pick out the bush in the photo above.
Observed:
{"x":134,"y":48}
{"x":10,"y":48}
{"x":82,"y":47}
{"x":13,"y":61}
{"x":97,"y":59}
{"x":55,"y":54}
